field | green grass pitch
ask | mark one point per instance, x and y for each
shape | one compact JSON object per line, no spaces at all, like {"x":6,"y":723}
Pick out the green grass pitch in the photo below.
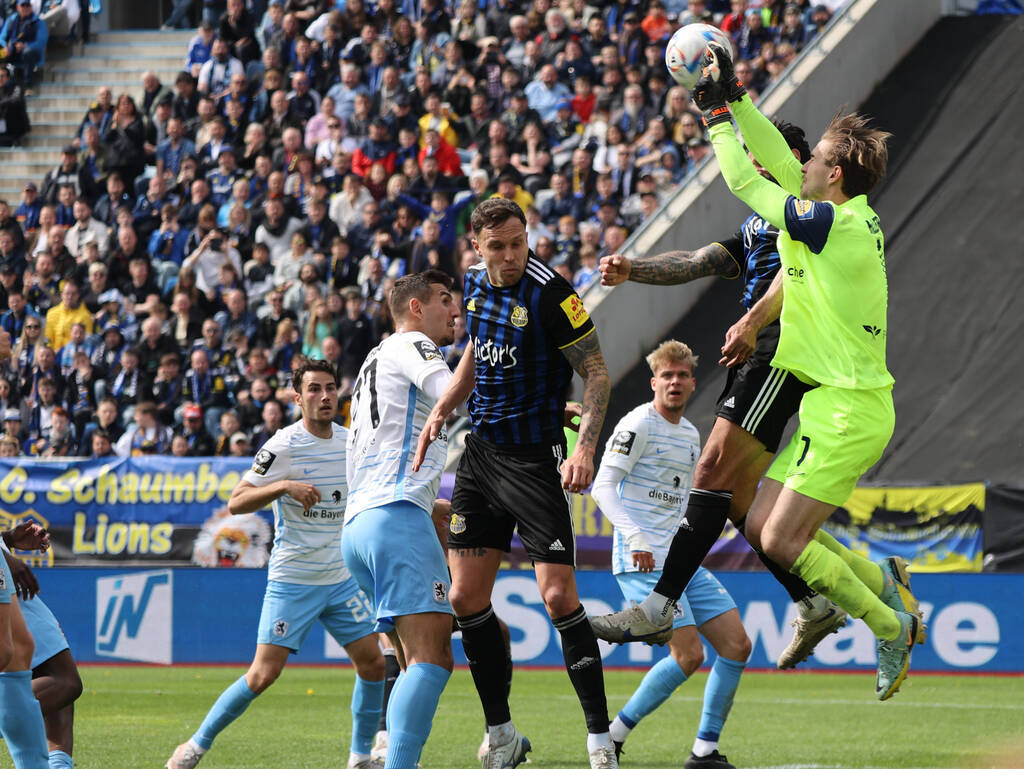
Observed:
{"x":132,"y":717}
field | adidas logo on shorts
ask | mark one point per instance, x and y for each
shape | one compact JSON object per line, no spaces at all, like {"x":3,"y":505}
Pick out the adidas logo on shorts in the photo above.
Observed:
{"x":556,"y":545}
{"x":730,"y":402}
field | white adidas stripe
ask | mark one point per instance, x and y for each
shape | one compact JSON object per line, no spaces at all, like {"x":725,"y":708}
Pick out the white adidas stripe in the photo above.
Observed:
{"x":764,"y":400}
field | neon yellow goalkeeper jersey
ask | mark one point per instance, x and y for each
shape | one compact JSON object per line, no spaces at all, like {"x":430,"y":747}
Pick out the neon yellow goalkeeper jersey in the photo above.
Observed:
{"x":833,"y":324}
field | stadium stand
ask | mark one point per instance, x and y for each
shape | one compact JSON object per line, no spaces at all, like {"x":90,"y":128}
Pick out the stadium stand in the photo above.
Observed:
{"x":321,"y":156}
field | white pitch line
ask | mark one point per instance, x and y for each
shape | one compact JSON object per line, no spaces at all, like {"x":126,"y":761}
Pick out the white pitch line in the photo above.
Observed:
{"x":871,"y":703}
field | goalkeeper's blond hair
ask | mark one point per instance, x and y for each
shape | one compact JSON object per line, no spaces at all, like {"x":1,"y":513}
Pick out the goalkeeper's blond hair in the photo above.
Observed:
{"x":859,"y":150}
{"x":671,"y":351}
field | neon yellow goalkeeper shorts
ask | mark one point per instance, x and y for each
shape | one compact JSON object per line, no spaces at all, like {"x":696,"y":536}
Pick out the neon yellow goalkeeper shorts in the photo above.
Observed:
{"x":841,"y":434}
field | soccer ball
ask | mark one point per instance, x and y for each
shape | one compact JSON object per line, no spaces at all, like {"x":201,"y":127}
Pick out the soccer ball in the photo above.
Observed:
{"x":686,"y":49}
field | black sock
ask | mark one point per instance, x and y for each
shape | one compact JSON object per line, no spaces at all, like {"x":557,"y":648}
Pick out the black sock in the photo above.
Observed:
{"x":391,"y":671}
{"x":485,"y":652}
{"x":796,"y":587}
{"x":706,"y":513}
{"x":507,"y":636}
{"x":583,"y":663}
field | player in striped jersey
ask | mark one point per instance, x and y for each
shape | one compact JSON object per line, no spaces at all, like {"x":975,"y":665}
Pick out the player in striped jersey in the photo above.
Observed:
{"x":301,"y":473}
{"x":752,"y":412}
{"x":389,"y":540}
{"x":529,"y":331}
{"x":645,"y":477}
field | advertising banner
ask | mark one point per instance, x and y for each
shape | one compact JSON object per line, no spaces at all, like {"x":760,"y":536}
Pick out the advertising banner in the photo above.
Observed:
{"x":180,"y":615}
{"x":935,"y":528}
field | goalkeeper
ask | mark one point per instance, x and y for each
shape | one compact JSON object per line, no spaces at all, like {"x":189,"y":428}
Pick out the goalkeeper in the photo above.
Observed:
{"x":833,"y":329}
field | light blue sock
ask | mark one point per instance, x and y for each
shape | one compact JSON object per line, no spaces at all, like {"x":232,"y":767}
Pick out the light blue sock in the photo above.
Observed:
{"x":367,"y":697}
{"x":229,"y":706}
{"x":61,"y":760}
{"x":411,"y":713}
{"x":656,"y":687}
{"x":718,"y":695}
{"x":21,"y":721}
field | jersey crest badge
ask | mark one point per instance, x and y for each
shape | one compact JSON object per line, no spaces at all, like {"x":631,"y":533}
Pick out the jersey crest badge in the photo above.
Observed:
{"x":623,"y":442}
{"x":457,"y":524}
{"x":427,"y":350}
{"x":262,"y":461}
{"x":574,"y":310}
{"x":471,"y":305}
{"x":519,"y":316}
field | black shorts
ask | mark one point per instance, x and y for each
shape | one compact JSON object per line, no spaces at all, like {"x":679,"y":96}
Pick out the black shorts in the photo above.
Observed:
{"x":499,"y":488}
{"x":760,"y":398}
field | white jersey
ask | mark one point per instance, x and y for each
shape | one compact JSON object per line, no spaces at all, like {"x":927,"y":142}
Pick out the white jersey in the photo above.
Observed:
{"x":389,"y":409}
{"x":658,"y":458}
{"x":307,"y":544}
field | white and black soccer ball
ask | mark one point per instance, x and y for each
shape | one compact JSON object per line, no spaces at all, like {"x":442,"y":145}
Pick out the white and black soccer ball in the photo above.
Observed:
{"x":686,"y":49}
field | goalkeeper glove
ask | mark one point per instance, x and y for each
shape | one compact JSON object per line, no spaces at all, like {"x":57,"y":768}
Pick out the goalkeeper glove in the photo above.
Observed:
{"x":717,"y":57}
{"x":709,"y":96}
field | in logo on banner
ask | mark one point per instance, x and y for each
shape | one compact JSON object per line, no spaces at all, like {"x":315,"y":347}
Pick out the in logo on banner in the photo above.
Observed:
{"x":133,"y":616}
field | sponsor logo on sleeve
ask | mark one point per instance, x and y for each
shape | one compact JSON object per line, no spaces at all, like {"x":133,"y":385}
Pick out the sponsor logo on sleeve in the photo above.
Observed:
{"x":262,"y":461}
{"x":803,"y":208}
{"x":574,"y":310}
{"x":427,"y":350}
{"x":623,"y":442}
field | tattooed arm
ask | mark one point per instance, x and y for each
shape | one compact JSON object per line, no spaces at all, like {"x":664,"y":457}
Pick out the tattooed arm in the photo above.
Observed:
{"x":670,"y":268}
{"x":586,"y":359}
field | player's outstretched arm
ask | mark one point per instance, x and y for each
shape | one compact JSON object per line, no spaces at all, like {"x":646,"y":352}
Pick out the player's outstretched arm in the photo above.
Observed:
{"x":671,"y":268}
{"x":247,"y":498}
{"x":459,"y":388}
{"x":767,"y":144}
{"x":765,"y":197}
{"x":741,"y":338}
{"x":586,"y":359}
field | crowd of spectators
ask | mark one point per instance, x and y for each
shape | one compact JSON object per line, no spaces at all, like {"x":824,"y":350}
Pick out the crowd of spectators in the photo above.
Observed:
{"x":199,"y":238}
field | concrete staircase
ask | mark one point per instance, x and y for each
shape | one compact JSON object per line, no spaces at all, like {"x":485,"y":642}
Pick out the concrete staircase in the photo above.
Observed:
{"x":71,"y":80}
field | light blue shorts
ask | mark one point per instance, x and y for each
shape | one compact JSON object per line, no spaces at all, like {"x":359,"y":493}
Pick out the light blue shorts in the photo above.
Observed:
{"x":45,"y":630}
{"x":395,"y":556}
{"x":703,"y":600}
{"x":289,"y":612}
{"x":6,"y":581}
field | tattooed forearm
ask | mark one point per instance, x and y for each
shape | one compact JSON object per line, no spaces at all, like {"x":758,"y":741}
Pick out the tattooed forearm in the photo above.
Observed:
{"x":586,"y":359}
{"x":674,"y":267}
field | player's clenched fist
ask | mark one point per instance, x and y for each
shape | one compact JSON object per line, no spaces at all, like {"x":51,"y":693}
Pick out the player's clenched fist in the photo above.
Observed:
{"x":304,"y":493}
{"x":615,"y":269}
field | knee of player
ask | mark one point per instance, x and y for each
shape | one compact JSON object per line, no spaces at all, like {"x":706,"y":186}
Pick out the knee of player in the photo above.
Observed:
{"x":689,"y":656}
{"x":736,"y":648}
{"x":714,"y":470}
{"x":560,"y":600}
{"x":465,"y":600}
{"x":72,"y":685}
{"x":259,"y":678}
{"x":370,"y":668}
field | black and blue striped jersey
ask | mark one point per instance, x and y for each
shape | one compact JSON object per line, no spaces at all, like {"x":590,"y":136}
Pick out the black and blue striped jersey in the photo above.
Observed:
{"x":754,"y":249}
{"x":518,"y":333}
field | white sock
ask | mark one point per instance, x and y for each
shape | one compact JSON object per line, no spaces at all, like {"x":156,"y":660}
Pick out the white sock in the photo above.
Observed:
{"x":197,"y":747}
{"x":813,"y":607}
{"x":595,"y":741}
{"x":501,"y":734}
{"x":703,"y":747}
{"x":618,"y":730}
{"x":355,"y":758}
{"x":657,"y":608}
